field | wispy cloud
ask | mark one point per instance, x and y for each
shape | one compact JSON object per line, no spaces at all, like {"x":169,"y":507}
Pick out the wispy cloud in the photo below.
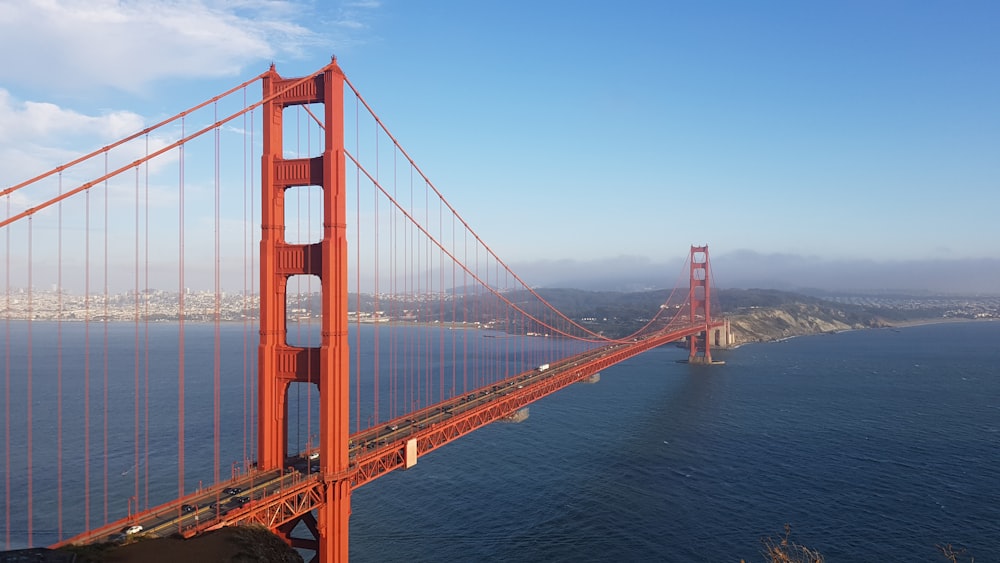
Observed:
{"x":35,"y":135}
{"x":355,"y":15}
{"x":72,"y":46}
{"x":128,"y":45}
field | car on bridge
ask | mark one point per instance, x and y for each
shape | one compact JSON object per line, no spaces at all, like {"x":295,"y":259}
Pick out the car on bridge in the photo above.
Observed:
{"x":132,"y":530}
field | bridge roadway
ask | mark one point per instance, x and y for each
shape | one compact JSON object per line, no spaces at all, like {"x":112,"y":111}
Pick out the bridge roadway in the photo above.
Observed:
{"x":272,"y":498}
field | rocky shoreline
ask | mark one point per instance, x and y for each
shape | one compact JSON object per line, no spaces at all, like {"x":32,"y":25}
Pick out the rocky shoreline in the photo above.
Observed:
{"x":800,"y":319}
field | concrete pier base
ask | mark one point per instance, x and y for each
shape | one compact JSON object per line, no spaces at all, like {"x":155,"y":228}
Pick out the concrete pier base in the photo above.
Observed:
{"x":520,"y":416}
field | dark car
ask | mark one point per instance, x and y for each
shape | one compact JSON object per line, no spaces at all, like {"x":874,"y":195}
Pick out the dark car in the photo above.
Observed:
{"x":242,"y":500}
{"x":188,"y":508}
{"x":233,"y":490}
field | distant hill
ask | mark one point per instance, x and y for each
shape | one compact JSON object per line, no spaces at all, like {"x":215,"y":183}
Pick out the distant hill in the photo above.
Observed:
{"x":756,"y":314}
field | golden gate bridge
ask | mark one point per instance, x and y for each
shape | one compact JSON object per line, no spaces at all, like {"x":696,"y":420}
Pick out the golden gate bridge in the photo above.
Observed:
{"x":345,"y":275}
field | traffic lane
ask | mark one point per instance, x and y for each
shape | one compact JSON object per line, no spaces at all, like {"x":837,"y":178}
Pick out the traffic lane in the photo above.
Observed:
{"x":210,"y":506}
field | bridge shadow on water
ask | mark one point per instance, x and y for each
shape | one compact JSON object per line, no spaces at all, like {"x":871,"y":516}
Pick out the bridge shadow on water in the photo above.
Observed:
{"x":563,"y":485}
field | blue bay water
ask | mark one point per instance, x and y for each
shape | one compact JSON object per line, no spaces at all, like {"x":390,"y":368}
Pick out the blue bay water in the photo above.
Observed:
{"x":874,"y":445}
{"x":133,"y":444}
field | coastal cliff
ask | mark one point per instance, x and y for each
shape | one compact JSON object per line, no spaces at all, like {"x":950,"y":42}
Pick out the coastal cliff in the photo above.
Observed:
{"x":793,"y":319}
{"x":762,"y":315}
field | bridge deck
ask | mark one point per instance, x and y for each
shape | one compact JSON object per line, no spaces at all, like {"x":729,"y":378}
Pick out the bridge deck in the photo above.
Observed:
{"x":272,"y":498}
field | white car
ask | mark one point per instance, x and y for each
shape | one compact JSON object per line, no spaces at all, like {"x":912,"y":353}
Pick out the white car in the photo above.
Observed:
{"x":132,"y":530}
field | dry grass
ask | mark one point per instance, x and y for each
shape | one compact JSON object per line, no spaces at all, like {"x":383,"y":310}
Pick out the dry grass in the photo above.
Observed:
{"x":784,"y":550}
{"x":953,"y":554}
{"x":234,"y":544}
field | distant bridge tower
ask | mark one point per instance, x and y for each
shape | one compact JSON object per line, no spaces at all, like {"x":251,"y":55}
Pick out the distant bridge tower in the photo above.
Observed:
{"x":699,"y":296}
{"x":325,"y":366}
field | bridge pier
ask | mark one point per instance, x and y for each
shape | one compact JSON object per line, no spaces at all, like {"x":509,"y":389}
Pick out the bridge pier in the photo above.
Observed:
{"x":332,"y":523}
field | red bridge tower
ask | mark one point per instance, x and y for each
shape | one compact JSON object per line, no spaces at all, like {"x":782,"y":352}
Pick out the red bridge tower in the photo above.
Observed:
{"x":279,"y":363}
{"x":700,"y":299}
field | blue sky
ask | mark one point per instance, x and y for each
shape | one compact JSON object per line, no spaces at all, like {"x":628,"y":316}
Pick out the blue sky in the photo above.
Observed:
{"x":577,"y":137}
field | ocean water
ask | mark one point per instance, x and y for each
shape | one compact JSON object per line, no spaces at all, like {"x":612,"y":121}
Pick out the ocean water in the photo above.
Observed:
{"x":873,"y":445}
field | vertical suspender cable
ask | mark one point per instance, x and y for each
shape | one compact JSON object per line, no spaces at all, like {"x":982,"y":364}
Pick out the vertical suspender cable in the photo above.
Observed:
{"x":253,"y":289}
{"x":507,"y":353}
{"x":429,"y":290}
{"x":454,"y":308}
{"x":397,"y":283}
{"x":31,"y":459}
{"x":480,"y":295}
{"x":407,"y":288}
{"x":394,"y":398}
{"x":410,"y":360}
{"x":357,"y":272}
{"x":390,"y":287}
{"x":105,"y":323}
{"x":393,"y":305}
{"x":6,"y":394}
{"x":136,"y":365}
{"x":465,"y":312}
{"x":309,"y":280}
{"x":217,"y":366}
{"x":180,"y":319}
{"x":86,"y":367}
{"x":442,"y":296}
{"x":246,"y":250}
{"x":59,"y":377}
{"x":246,"y":274}
{"x":249,"y":440}
{"x":298,"y":279}
{"x":429,"y":263}
{"x":401,"y":280}
{"x":145,"y":332}
{"x":375,"y":243}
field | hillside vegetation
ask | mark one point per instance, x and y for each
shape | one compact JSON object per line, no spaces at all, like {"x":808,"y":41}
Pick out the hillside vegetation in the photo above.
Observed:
{"x":756,"y":314}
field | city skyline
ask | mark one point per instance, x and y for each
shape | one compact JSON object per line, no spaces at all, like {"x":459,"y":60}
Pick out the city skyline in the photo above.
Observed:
{"x":854,"y":140}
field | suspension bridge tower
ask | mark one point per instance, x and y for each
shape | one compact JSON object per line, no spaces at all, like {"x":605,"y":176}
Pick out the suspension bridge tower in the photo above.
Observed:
{"x":281,"y":364}
{"x":699,"y":296}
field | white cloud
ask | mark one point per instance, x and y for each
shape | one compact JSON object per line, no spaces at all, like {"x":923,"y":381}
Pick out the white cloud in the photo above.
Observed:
{"x":36,"y":136}
{"x":128,"y":44}
{"x":65,"y":47}
{"x":22,"y":122}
